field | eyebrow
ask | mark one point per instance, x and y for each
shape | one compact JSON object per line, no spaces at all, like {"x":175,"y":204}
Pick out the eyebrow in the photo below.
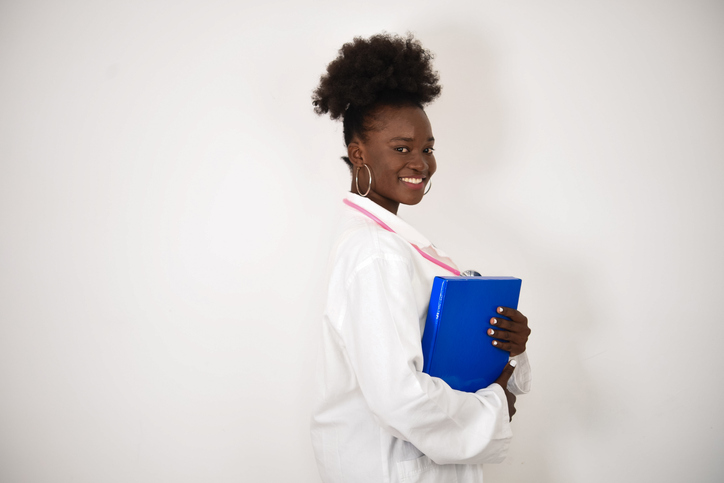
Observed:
{"x":409,"y":140}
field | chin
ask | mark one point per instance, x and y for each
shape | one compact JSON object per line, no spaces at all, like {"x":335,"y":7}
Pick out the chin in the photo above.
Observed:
{"x":411,"y":200}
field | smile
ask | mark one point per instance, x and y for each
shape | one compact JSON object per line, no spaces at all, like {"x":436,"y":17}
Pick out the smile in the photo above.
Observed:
{"x":412,"y":180}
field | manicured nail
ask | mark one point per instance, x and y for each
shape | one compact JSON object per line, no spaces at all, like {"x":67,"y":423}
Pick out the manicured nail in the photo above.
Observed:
{"x":495,"y":342}
{"x":513,"y":363}
{"x":493,"y":321}
{"x":491,"y":332}
{"x":500,"y":310}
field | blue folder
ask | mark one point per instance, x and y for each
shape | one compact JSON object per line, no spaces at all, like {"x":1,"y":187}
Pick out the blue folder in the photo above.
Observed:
{"x":455,"y":344}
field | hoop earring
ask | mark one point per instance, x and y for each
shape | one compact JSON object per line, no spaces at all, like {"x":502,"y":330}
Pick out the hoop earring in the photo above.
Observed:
{"x":356,"y":180}
{"x":429,"y":187}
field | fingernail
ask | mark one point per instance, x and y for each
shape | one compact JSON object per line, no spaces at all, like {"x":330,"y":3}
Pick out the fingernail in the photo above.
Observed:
{"x":513,"y":363}
{"x":493,"y":321}
{"x":500,"y":310}
{"x":495,"y":342}
{"x":491,"y":332}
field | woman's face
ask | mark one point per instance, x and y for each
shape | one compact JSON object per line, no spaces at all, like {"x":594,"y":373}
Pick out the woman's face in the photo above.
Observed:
{"x":399,"y":151}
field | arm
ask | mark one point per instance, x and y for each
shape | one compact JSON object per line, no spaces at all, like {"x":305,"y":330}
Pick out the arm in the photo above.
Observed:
{"x":379,"y":327}
{"x":512,"y":334}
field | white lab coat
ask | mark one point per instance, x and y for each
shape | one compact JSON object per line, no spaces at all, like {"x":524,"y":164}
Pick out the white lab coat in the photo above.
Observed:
{"x":377,"y":416}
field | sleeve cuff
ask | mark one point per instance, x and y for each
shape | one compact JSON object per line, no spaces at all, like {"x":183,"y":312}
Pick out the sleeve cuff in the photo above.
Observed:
{"x":520,"y":382}
{"x":493,"y":396}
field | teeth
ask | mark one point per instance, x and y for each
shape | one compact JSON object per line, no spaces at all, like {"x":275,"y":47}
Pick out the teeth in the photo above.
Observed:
{"x":412,"y":180}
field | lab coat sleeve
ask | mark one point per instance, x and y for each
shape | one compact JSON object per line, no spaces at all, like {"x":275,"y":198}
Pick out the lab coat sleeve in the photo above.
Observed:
{"x":519,"y":383}
{"x":380,"y":331}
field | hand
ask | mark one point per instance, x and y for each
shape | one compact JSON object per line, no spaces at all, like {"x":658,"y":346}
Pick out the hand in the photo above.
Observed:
{"x":503,"y":382}
{"x":514,"y":333}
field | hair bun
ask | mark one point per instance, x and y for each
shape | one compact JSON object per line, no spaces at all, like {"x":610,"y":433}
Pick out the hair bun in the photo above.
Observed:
{"x":383,"y":68}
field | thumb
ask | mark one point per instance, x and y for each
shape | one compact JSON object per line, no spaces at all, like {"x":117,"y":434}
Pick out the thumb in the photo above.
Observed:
{"x":505,"y":375}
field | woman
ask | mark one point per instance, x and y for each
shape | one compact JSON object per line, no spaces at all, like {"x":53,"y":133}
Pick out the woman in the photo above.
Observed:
{"x":378,"y":417}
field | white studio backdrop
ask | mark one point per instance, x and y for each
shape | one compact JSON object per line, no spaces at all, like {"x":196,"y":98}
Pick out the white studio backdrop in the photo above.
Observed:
{"x":167,"y":198}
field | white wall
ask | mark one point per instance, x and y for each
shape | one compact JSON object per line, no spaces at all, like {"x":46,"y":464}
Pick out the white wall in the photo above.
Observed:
{"x":167,"y":197}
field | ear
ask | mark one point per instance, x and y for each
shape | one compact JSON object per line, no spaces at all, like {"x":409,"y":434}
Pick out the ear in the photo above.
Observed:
{"x":355,"y":153}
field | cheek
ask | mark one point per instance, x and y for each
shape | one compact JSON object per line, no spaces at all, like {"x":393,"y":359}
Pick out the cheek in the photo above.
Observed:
{"x":376,"y":161}
{"x":432,"y":166}
{"x":384,"y":167}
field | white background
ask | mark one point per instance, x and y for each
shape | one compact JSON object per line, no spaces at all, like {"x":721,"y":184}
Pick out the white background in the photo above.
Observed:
{"x":167,"y":197}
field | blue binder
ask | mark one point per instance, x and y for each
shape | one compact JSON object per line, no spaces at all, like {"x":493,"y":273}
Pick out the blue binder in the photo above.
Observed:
{"x":455,"y":344}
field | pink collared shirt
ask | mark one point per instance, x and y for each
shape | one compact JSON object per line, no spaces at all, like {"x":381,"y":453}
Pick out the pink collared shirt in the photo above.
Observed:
{"x":377,"y":416}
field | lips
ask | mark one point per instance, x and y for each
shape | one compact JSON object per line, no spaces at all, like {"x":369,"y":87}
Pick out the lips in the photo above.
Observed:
{"x":412,"y":180}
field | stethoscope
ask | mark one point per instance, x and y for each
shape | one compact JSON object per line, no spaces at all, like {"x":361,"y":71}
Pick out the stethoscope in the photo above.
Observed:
{"x":453,"y":270}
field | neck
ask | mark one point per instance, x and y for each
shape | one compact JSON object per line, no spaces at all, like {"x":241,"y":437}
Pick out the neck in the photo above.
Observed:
{"x":389,"y":205}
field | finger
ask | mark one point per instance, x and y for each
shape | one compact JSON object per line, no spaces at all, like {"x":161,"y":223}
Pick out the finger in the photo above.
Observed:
{"x":506,"y":346}
{"x":505,"y":375}
{"x":511,"y":347}
{"x":501,"y":323}
{"x":501,"y":334}
{"x":514,"y":329}
{"x":513,"y":314}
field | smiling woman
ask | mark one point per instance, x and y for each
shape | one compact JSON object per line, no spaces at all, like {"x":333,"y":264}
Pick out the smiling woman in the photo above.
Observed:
{"x":378,"y":87}
{"x":378,"y":417}
{"x":399,"y":154}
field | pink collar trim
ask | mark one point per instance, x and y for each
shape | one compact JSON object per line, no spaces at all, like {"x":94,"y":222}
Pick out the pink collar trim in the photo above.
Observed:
{"x":384,"y":225}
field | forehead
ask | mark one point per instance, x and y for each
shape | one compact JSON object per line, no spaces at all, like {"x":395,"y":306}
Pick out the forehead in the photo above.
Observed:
{"x":400,"y":121}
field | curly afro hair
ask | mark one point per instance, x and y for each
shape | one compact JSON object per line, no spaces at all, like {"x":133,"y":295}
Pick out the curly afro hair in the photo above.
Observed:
{"x":384,"y":70}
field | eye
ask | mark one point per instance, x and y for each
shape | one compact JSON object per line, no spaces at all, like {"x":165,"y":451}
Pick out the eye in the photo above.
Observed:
{"x":402,"y":149}
{"x":428,"y":150}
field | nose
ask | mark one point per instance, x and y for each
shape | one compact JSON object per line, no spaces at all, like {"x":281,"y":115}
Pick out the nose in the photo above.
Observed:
{"x":418,"y":163}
